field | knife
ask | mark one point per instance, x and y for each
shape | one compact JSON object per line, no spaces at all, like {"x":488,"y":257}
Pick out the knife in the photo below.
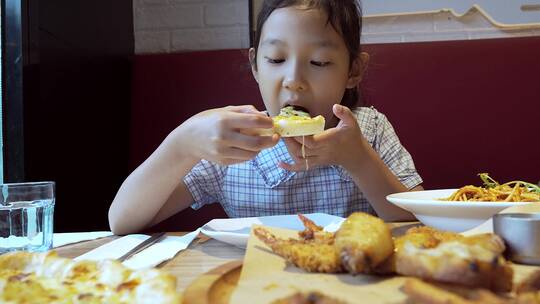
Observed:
{"x":147,"y":243}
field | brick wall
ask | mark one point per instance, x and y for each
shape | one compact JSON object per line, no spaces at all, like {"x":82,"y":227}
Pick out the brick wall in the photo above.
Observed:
{"x":165,"y":26}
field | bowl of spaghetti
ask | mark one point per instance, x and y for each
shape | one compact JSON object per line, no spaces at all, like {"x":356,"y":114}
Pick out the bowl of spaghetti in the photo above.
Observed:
{"x":462,"y":209}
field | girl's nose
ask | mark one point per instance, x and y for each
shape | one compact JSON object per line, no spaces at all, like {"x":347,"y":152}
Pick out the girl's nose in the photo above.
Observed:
{"x":293,"y":80}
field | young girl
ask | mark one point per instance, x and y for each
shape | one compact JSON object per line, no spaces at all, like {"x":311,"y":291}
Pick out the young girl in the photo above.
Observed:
{"x":307,"y":54}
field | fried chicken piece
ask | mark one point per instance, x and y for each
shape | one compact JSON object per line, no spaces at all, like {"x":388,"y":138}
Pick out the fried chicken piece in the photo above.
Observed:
{"x":421,"y":237}
{"x":308,"y":255}
{"x":474,"y":261}
{"x":427,"y":237}
{"x":363,"y":241}
{"x":310,"y":227}
{"x":314,"y":232}
{"x":313,"y":297}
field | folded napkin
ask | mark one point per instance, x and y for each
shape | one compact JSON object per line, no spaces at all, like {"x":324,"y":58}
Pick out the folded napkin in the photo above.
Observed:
{"x":152,"y":256}
{"x":61,"y":239}
{"x":487,"y":226}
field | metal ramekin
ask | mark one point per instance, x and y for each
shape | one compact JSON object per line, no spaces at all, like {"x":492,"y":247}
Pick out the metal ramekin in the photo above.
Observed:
{"x":521,"y":233}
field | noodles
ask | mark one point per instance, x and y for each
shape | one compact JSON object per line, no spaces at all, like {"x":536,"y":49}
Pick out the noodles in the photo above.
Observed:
{"x":492,"y":191}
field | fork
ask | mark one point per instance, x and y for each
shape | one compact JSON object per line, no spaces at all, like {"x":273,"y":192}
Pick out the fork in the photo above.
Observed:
{"x":147,"y":243}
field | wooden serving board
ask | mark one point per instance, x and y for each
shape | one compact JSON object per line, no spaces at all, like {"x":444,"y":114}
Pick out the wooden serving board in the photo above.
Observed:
{"x":253,"y":281}
{"x":215,"y":286}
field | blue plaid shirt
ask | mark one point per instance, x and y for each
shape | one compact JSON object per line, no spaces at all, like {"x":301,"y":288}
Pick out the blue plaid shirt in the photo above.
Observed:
{"x":259,"y":187}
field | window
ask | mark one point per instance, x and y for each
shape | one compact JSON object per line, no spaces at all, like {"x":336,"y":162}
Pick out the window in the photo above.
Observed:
{"x":12,"y":58}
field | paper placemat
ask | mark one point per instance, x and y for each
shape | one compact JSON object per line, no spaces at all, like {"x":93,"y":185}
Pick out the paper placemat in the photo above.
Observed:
{"x":152,"y":256}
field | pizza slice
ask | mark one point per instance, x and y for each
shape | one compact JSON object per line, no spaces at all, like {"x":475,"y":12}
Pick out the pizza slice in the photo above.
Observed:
{"x":475,"y":261}
{"x":47,"y":278}
{"x":292,"y":122}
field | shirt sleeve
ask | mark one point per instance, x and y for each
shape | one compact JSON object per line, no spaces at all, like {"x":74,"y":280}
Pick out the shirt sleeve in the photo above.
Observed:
{"x":386,"y":143}
{"x":205,"y":182}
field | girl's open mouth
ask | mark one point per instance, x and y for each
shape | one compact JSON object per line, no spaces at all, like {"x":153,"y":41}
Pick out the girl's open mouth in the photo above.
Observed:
{"x":297,"y":108}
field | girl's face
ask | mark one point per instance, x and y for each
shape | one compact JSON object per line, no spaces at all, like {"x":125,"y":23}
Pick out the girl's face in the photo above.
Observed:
{"x":302,"y":60}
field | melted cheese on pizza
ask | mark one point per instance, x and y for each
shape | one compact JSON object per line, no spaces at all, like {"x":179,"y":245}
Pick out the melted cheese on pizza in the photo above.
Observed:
{"x":291,"y":122}
{"x":46,"y":278}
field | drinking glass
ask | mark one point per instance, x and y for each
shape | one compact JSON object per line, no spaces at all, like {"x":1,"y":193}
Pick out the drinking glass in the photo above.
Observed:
{"x":26,"y":216}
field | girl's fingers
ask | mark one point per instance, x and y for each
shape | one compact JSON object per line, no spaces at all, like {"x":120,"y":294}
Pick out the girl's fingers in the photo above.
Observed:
{"x":237,"y":120}
{"x":253,"y":143}
{"x":245,"y":109}
{"x":345,"y":115}
{"x":316,"y":141}
{"x":300,"y":164}
{"x":295,"y":148}
{"x":308,"y":141}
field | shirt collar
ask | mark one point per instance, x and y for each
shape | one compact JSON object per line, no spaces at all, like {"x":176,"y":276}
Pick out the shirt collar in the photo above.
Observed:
{"x":266,"y":164}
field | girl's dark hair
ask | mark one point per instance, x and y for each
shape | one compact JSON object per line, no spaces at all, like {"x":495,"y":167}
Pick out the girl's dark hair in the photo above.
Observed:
{"x":345,"y":16}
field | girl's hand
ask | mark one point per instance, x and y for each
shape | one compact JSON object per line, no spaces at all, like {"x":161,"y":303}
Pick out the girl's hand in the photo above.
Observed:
{"x":222,"y":135}
{"x":343,"y":145}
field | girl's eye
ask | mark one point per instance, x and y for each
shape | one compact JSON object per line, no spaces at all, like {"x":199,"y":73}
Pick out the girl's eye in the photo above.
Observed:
{"x":274,"y":61}
{"x":320,"y":63}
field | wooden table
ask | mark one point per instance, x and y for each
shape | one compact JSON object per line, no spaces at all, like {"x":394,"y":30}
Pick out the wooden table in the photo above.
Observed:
{"x":201,"y":256}
{"x":205,"y":254}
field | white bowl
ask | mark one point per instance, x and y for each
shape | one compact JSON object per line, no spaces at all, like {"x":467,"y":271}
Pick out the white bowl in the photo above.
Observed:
{"x":447,"y":215}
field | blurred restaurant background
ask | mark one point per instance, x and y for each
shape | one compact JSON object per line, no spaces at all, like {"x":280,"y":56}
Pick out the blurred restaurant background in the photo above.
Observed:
{"x":90,"y":88}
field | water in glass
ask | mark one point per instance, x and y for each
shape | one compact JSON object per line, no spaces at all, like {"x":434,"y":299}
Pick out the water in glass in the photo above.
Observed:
{"x":26,"y":224}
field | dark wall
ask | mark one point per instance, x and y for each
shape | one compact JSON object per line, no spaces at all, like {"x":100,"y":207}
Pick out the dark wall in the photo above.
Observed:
{"x":461,"y":107}
{"x":76,"y":105}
